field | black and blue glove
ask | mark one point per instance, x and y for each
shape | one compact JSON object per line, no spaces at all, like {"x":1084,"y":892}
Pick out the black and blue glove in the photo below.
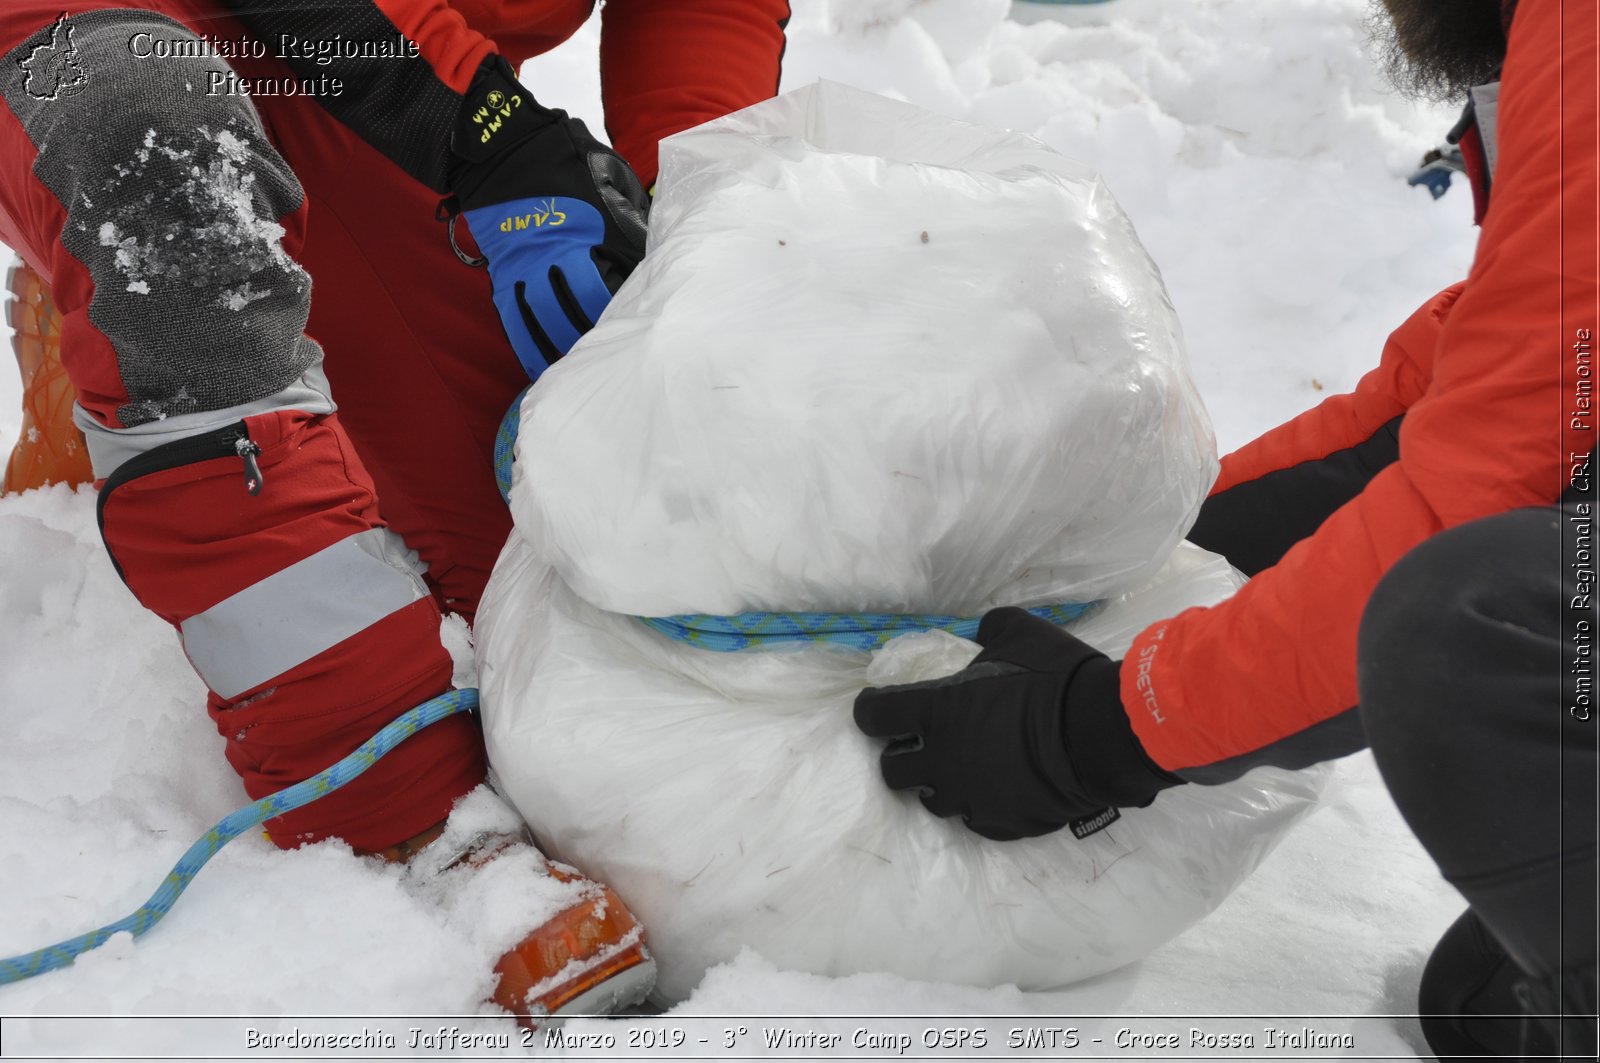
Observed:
{"x":1027,"y":739}
{"x":558,"y":216}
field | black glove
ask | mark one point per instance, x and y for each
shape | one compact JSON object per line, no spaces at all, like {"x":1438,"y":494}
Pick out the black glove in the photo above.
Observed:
{"x":559,"y":217}
{"x":1027,"y":739}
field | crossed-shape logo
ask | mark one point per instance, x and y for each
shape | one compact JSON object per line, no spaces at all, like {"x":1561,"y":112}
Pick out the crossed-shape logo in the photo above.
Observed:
{"x":52,"y":67}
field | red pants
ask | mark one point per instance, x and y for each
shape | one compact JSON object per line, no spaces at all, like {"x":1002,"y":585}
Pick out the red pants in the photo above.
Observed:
{"x":185,"y":333}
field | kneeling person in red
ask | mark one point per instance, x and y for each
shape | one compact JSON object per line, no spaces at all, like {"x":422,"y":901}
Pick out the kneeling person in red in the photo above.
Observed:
{"x":304,"y":548}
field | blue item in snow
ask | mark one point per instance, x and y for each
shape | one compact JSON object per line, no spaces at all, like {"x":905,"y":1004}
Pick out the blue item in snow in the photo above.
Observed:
{"x":1437,"y":166}
{"x":61,"y":954}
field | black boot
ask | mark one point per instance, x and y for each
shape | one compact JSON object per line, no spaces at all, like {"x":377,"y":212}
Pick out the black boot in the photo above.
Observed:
{"x":1554,"y":1007}
{"x":1468,"y":1000}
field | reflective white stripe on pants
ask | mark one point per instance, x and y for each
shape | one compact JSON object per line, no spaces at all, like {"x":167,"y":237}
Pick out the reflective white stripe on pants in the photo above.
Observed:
{"x":300,"y":611}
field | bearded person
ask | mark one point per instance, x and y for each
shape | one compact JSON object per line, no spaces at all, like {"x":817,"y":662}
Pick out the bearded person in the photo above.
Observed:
{"x":1421,"y":563}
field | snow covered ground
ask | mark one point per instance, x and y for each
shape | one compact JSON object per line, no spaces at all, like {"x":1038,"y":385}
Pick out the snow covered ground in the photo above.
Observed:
{"x":1262,"y":161}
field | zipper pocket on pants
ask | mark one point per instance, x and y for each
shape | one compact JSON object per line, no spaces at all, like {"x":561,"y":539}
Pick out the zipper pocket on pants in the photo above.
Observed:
{"x":229,"y":441}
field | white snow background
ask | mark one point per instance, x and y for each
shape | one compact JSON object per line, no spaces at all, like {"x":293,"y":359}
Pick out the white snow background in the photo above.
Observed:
{"x":1262,"y":159}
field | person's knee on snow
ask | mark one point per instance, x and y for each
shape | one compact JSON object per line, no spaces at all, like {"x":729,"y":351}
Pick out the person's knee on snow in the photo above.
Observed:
{"x":233,"y":504}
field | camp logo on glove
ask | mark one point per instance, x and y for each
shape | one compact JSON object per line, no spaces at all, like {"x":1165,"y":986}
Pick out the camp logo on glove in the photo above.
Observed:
{"x":558,"y":217}
{"x":550,"y":215}
{"x":546,"y":284}
{"x":493,"y":114}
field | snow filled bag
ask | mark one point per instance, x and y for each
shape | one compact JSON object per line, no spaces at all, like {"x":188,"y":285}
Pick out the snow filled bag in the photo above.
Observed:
{"x":875,"y":361}
{"x":732,"y":803}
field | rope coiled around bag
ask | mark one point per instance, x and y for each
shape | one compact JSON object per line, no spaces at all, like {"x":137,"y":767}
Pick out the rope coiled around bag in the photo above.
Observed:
{"x":858,"y":631}
{"x":16,"y":968}
{"x":757,"y":630}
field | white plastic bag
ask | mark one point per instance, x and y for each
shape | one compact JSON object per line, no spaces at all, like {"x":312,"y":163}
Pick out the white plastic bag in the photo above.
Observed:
{"x":731,"y":801}
{"x":875,"y":360}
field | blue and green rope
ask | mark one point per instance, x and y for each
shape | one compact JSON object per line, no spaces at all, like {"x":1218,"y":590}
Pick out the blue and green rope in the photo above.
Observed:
{"x":16,"y":968}
{"x":505,"y":446}
{"x":858,"y":631}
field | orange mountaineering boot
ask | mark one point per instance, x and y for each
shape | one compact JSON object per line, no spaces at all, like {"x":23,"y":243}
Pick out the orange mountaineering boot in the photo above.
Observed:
{"x":588,"y":959}
{"x":50,"y":450}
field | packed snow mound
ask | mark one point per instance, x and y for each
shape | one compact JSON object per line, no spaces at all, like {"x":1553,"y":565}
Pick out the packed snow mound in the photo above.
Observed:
{"x":875,"y":360}
{"x":730,"y":800}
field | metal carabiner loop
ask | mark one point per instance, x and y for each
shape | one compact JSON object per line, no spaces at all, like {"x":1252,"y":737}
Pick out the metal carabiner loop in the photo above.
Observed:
{"x":448,"y":211}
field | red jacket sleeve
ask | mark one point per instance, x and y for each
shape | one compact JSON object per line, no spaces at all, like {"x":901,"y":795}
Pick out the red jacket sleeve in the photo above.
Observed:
{"x":1491,"y":432}
{"x":666,"y":67}
{"x":451,"y":49}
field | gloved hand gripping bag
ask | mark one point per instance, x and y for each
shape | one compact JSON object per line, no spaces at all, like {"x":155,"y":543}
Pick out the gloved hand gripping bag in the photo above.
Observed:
{"x":796,"y":403}
{"x":731,"y":802}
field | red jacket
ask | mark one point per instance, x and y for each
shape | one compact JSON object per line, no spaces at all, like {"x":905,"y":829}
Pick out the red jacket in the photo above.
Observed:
{"x":1492,"y":376}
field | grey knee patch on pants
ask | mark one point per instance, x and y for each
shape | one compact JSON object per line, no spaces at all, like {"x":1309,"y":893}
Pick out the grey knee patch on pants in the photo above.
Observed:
{"x":173,"y":198}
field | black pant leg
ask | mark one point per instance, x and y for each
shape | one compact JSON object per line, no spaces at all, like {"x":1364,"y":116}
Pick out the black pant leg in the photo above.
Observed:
{"x":1476,"y":661}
